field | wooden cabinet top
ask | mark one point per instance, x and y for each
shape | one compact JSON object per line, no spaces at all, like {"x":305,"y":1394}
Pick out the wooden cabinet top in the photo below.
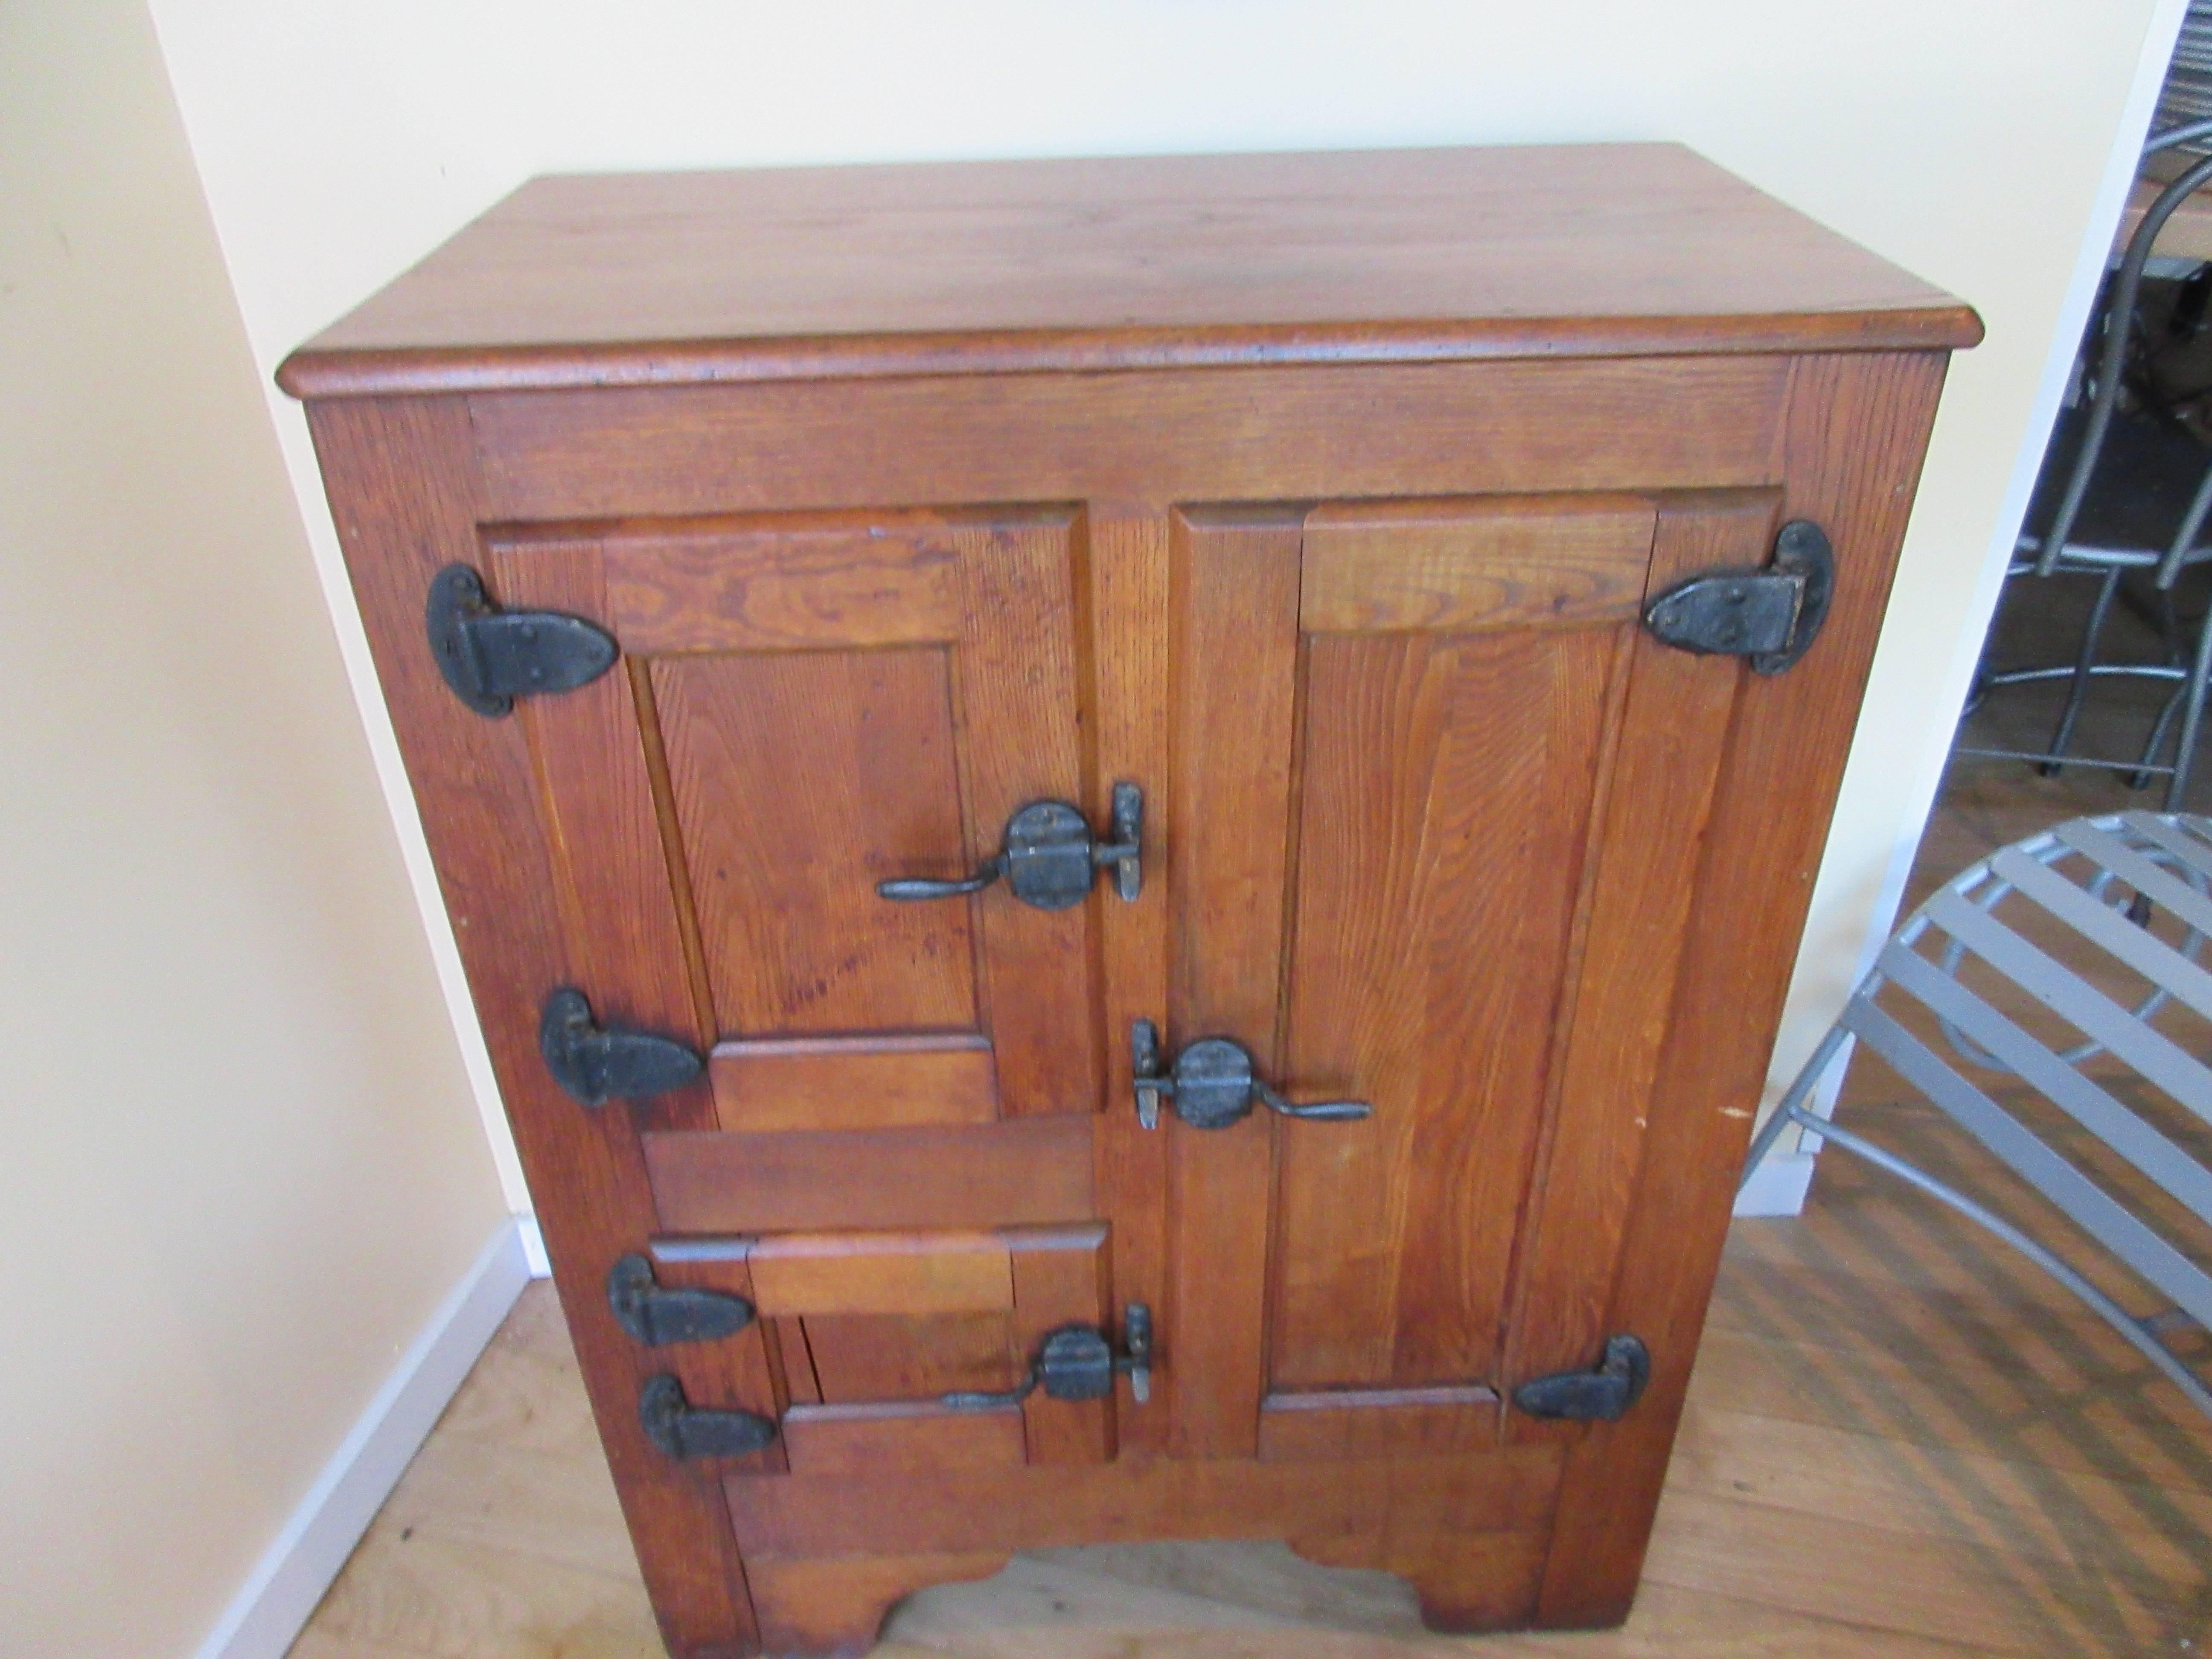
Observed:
{"x":1383,"y":256}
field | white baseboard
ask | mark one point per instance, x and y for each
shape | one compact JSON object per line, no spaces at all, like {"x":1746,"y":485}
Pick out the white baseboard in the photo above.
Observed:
{"x":533,"y":1247}
{"x":278,"y":1595}
{"x":1777,"y":1187}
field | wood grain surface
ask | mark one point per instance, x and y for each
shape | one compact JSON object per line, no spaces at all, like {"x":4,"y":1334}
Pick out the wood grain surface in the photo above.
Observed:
{"x":855,"y":1082}
{"x":1337,"y":1424}
{"x":906,"y":1434}
{"x":1641,"y":886}
{"x":982,"y":1175}
{"x":1374,"y":567}
{"x":1254,"y":436}
{"x":801,"y":780}
{"x":870,"y":1273}
{"x":1001,"y":267}
{"x":1447,"y":782}
{"x":410,"y":501}
{"x":1232,"y":701}
{"x":1494,"y":1491}
{"x":1857,"y":433}
{"x":1318,"y":497}
{"x":1900,"y":1442}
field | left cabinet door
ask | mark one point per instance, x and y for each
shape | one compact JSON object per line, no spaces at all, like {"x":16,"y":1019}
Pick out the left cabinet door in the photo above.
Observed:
{"x":806,"y":706}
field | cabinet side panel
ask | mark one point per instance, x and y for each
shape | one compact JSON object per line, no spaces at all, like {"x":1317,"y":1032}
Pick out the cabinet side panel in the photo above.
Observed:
{"x":404,"y":493}
{"x":1858,"y":432}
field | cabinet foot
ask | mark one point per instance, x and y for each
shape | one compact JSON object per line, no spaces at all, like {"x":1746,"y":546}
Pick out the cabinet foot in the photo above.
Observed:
{"x":1466,"y":1581}
{"x":827,"y":1606}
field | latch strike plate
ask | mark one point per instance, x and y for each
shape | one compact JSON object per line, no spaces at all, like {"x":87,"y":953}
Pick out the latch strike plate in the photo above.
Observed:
{"x":656,"y":1315}
{"x":1602,"y":1395}
{"x":596,"y":1064}
{"x":490,"y":657}
{"x":1771,"y":616}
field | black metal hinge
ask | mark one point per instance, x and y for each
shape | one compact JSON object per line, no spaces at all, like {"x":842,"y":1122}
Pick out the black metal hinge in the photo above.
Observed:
{"x":1602,"y":1396}
{"x":1771,"y":616}
{"x":490,"y":657}
{"x":596,"y":1065}
{"x":656,"y":1315}
{"x":681,"y":1428}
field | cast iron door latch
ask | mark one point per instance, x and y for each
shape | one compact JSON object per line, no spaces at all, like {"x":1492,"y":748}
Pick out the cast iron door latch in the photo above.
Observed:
{"x":490,"y":657}
{"x":1771,"y":616}
{"x":1600,"y":1395}
{"x":1077,"y":1362}
{"x":1049,"y":857}
{"x":1213,"y":1084}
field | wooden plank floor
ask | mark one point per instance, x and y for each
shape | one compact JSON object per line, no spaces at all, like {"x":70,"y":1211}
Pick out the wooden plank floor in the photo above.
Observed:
{"x":1901,"y":1442}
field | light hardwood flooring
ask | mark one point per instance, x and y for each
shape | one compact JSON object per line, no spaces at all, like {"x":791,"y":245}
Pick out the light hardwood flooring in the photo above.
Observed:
{"x":1901,"y":1442}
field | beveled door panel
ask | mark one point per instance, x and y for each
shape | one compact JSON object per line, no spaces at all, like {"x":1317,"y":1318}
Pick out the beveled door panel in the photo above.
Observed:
{"x":1443,"y":811}
{"x":800,"y":779}
{"x":810,"y":705}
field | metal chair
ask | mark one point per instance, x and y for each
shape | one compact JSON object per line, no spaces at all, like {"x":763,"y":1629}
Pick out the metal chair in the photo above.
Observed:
{"x":2052,"y":964}
{"x":2122,"y":489}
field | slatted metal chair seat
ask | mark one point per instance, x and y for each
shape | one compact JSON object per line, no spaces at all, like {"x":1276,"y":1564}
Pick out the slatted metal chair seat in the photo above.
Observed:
{"x":2051,"y":1001}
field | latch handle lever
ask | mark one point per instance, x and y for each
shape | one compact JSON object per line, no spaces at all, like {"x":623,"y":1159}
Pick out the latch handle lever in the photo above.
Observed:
{"x":1049,"y":857}
{"x":1076,"y":1363}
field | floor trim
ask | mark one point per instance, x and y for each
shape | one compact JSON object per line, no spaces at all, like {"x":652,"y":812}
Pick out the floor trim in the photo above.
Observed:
{"x":278,"y":1597}
{"x":533,"y":1246}
{"x":1777,"y":1187}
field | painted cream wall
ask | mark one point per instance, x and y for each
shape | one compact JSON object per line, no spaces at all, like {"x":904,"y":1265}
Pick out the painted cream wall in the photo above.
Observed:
{"x":1966,"y":139}
{"x":242,"y":1165}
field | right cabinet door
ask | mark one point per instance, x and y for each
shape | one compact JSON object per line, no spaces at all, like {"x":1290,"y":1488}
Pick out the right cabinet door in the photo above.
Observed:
{"x":1436,"y":806}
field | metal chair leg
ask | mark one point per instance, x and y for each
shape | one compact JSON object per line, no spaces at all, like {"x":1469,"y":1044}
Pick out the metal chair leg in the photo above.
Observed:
{"x":2169,"y":639}
{"x":2155,"y":743}
{"x":2169,"y":627}
{"x":2103,"y":1306}
{"x":2184,"y":757}
{"x":2084,"y":660}
{"x":1787,"y":1109}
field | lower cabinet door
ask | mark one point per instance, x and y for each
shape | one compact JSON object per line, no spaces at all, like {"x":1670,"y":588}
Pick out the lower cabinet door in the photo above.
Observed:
{"x":877,"y":1351}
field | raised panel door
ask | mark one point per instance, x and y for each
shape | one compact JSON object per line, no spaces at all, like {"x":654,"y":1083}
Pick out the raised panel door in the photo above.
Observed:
{"x":888,"y":1151}
{"x":807,"y":707}
{"x":1436,"y":804}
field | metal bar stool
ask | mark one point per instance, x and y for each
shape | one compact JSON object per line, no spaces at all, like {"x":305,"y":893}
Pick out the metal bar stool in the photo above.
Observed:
{"x":2043,"y":928}
{"x":2122,"y":491}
